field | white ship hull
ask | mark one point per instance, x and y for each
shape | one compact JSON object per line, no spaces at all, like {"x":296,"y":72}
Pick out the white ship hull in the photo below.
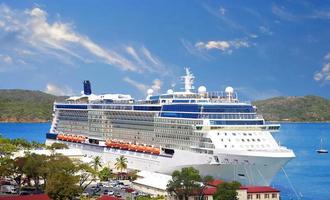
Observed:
{"x":249,"y":168}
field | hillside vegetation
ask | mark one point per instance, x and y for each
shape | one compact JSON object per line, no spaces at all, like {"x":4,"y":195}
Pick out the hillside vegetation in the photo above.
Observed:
{"x":307,"y":108}
{"x":36,"y":106}
{"x":26,"y":105}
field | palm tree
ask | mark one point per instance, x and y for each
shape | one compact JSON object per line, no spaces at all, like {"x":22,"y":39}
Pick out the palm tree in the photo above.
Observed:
{"x":96,"y":163}
{"x":121,"y":163}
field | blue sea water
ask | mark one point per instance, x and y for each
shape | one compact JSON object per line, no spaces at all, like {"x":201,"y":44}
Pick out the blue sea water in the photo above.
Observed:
{"x":309,"y":172}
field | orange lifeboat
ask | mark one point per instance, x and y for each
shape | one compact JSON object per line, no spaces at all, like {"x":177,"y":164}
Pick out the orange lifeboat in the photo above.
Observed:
{"x":124,"y":146}
{"x":81,"y":139}
{"x":140,"y":148}
{"x":64,"y":137}
{"x":59,"y":137}
{"x":155,"y":151}
{"x":133,"y":147}
{"x":108,"y":143}
{"x":148,"y":149}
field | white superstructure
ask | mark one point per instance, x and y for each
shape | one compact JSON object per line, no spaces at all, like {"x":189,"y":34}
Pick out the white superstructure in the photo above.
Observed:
{"x":211,"y":131}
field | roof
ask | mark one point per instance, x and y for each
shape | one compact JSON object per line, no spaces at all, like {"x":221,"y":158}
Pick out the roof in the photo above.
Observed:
{"x":259,"y":189}
{"x":209,"y":190}
{"x":152,"y":179}
{"x":105,"y":197}
{"x":215,"y":182}
{"x":26,"y":197}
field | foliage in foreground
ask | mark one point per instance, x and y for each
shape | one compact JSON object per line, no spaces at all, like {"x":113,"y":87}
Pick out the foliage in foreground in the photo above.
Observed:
{"x":186,"y":182}
{"x":62,"y":178}
{"x":227,"y":191}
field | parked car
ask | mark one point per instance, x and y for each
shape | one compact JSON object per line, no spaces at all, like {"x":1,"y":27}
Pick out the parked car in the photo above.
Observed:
{"x":8,"y":189}
{"x":111,"y":193}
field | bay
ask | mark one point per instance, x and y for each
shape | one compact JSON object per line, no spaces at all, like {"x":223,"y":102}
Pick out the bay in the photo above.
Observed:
{"x":309,"y":172}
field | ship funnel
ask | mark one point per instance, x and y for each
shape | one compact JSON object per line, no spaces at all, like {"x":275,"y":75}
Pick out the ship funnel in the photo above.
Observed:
{"x":87,"y":88}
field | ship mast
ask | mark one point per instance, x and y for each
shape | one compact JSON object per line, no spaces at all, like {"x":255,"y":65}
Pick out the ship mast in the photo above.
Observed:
{"x":188,"y":80}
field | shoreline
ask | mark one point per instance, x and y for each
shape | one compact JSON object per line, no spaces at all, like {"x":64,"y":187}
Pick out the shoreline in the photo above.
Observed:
{"x":48,"y":121}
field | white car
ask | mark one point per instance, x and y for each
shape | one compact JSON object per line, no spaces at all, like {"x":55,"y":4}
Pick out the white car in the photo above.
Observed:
{"x":111,"y":193}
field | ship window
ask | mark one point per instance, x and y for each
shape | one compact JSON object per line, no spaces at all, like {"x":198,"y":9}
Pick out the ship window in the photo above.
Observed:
{"x":234,"y":134}
{"x":225,"y":133}
{"x":258,"y":140}
{"x":225,"y":146}
{"x":244,"y":133}
{"x":243,"y":140}
{"x":248,"y":140}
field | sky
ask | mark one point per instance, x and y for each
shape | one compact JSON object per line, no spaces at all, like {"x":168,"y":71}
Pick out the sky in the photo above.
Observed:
{"x":260,"y":48}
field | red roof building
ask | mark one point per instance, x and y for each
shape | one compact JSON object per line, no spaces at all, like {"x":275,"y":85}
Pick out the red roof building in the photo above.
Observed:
{"x":105,"y":197}
{"x":26,"y":197}
{"x":243,"y":193}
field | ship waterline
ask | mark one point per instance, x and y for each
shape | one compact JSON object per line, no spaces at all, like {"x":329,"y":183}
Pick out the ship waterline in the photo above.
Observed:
{"x":212,"y":132}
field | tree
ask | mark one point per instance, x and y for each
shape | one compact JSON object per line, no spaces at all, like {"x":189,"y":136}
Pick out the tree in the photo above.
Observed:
{"x":132,"y":175}
{"x":21,"y":143}
{"x":96,"y":163}
{"x":62,"y":186}
{"x":86,"y":175}
{"x":121,"y":163}
{"x":184,"y":182}
{"x":33,"y":167}
{"x":57,"y":145}
{"x":105,"y":174}
{"x":7,"y":149}
{"x":227,"y":191}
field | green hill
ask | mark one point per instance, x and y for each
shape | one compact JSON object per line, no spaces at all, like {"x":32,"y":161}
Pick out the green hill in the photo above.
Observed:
{"x":26,"y":105}
{"x":307,"y":108}
{"x":36,"y":106}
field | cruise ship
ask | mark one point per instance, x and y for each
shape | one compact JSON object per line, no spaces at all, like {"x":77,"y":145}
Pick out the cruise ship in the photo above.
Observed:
{"x":210,"y":131}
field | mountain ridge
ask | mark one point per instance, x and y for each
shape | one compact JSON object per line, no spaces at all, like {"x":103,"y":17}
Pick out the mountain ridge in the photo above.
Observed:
{"x":17,"y":105}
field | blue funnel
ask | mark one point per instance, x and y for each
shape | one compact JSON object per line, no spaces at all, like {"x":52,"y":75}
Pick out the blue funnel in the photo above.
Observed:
{"x":87,"y":88}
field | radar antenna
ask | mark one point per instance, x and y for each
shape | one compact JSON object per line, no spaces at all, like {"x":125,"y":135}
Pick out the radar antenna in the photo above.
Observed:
{"x":188,"y":80}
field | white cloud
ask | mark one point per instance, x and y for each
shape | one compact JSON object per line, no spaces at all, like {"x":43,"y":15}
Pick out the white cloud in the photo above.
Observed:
{"x":284,"y":14}
{"x":323,"y":75}
{"x":224,"y":46}
{"x":193,"y":50}
{"x":6,"y":59}
{"x":59,"y":40}
{"x":140,"y":86}
{"x":318,"y":76}
{"x":222,"y":10}
{"x":57,"y":90}
{"x":265,"y":30}
{"x":327,"y":56}
{"x":156,"y":85}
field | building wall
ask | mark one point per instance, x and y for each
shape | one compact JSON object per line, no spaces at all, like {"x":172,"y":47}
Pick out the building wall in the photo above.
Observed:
{"x":263,"y":196}
{"x":241,"y":194}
